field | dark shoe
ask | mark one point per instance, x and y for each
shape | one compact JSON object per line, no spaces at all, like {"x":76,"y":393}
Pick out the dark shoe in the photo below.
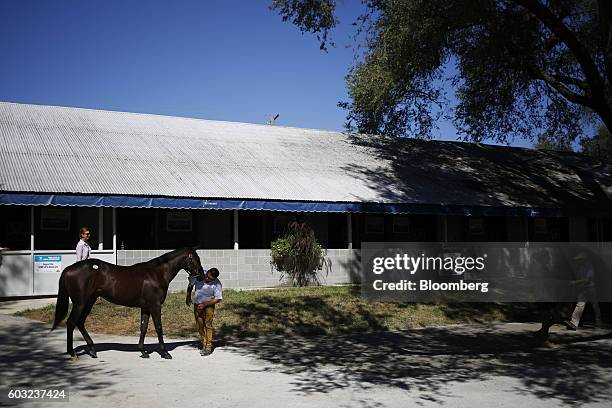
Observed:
{"x":205,"y":353}
{"x":570,"y":325}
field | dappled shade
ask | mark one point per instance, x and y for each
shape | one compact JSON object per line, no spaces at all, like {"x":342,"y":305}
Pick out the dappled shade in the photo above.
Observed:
{"x":467,"y":174}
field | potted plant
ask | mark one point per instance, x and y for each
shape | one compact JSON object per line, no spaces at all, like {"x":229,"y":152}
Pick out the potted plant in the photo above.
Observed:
{"x":299,"y":256}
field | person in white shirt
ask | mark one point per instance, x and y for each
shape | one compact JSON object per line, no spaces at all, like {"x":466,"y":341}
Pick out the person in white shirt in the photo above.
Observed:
{"x":208,"y":292}
{"x":83,"y":250}
{"x":585,"y":275}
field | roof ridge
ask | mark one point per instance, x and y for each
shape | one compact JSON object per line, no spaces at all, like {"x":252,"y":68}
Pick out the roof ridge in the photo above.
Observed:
{"x":169,"y":116}
{"x":320,"y":131}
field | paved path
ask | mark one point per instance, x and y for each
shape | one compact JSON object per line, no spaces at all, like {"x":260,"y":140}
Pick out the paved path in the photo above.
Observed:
{"x":458,"y":366}
{"x":14,"y":306}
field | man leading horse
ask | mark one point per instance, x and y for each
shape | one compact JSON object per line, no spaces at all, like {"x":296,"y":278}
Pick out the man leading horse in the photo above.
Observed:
{"x":143,"y":285}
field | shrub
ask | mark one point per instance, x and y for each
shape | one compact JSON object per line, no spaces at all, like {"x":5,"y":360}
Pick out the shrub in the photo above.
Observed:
{"x":299,"y":256}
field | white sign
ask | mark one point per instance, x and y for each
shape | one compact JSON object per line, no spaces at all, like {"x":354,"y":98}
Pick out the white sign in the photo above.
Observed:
{"x":47,"y":263}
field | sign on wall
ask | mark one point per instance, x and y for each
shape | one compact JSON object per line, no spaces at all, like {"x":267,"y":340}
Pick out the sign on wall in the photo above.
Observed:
{"x":47,"y":263}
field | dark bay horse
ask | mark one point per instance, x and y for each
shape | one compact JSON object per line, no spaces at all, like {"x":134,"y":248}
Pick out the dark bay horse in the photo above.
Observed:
{"x":143,"y":285}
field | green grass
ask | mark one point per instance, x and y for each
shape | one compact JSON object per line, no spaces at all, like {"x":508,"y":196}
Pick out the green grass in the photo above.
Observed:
{"x":295,"y":311}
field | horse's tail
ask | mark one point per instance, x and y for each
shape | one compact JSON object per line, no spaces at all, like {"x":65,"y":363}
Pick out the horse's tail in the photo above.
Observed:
{"x":61,"y":307}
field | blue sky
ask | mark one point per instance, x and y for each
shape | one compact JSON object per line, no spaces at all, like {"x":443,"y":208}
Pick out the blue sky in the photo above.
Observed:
{"x":235,"y":61}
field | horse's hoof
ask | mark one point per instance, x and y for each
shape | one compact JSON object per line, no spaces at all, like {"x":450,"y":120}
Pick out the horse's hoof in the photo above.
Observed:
{"x":93,"y":354}
{"x":541,"y":336}
{"x":167,"y":356}
{"x":550,"y":345}
{"x":144,"y":355}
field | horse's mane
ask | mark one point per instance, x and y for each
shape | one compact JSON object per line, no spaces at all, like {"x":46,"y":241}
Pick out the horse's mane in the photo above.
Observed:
{"x":169,"y":256}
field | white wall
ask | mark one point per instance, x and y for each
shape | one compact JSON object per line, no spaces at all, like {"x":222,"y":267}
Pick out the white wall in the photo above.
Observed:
{"x":18,"y":277}
{"x":15,"y":274}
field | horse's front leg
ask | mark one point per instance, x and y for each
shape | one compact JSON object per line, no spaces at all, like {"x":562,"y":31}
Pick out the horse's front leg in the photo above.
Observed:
{"x":550,"y":316}
{"x":156,"y":314}
{"x":144,"y":324}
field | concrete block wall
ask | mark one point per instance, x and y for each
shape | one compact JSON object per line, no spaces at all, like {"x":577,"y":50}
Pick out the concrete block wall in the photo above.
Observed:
{"x":250,"y":268}
{"x":345,"y":268}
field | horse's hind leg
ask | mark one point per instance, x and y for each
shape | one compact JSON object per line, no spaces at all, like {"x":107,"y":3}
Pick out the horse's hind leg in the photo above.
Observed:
{"x":550,"y":316}
{"x":144,"y":324}
{"x":81,"y":326}
{"x":156,"y":314}
{"x":73,"y":319}
{"x":69,"y":331}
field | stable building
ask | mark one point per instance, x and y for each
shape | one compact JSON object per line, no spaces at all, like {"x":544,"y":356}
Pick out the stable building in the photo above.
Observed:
{"x":146,"y":184}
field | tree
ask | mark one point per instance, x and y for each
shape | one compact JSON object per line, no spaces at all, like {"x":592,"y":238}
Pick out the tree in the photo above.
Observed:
{"x":545,"y":142}
{"x":519,"y":67}
{"x":600,"y":146}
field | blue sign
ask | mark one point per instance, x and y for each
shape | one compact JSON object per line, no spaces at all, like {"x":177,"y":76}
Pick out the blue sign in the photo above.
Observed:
{"x":47,"y":258}
{"x":47,"y":263}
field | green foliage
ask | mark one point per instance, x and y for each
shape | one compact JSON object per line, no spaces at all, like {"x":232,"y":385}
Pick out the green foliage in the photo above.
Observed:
{"x":519,"y":67}
{"x":299,"y":256}
{"x":545,"y":142}
{"x":281,"y":247}
{"x":600,"y":146}
{"x":314,"y":16}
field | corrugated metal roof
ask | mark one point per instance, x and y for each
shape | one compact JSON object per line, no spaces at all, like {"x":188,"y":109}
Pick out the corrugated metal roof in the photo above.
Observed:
{"x":71,"y":150}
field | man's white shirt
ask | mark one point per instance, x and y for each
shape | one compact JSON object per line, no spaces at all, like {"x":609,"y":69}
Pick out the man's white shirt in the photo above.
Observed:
{"x":204,"y":291}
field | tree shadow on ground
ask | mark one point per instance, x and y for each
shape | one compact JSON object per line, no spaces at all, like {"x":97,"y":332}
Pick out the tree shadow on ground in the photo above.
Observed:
{"x":422,"y":361}
{"x":426,"y":361}
{"x":303,"y":315}
{"x":29,"y":358}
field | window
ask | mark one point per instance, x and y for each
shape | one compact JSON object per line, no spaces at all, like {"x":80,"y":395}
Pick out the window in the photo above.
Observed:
{"x":540,"y":226}
{"x":55,"y":219}
{"x":136,"y":228}
{"x":374,"y":224}
{"x":15,"y":227}
{"x":476,"y":226}
{"x":280,"y":223}
{"x":179,"y":221}
{"x":401,"y":225}
{"x":549,"y":229}
{"x":58,"y":228}
{"x":253,"y":227}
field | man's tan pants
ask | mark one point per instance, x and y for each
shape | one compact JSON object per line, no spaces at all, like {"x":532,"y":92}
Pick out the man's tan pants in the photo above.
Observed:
{"x":204,"y":320}
{"x":579,"y":309}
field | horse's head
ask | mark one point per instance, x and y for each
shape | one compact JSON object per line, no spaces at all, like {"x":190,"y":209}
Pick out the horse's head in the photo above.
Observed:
{"x":192,"y":263}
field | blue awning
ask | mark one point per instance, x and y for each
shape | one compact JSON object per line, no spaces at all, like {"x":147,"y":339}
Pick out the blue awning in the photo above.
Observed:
{"x":267,"y":205}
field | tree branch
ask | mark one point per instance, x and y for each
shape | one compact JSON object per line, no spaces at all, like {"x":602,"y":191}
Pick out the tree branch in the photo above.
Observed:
{"x":559,"y":29}
{"x":605,"y":19}
{"x":560,"y":87}
{"x":582,"y":84}
{"x":551,"y":42}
